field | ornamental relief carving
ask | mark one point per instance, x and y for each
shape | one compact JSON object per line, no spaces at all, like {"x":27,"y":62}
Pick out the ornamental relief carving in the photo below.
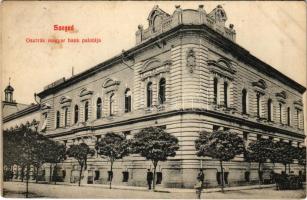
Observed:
{"x":191,"y":60}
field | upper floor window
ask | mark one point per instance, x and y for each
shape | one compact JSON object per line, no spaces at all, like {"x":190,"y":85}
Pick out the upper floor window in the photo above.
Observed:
{"x":58,"y":118}
{"x":280,"y":113}
{"x":270,"y":113}
{"x":76,"y":114}
{"x":86,"y":111}
{"x":149,"y":94}
{"x":98,"y":108}
{"x":127,"y":100}
{"x":225,"y":94}
{"x":288,"y":116}
{"x":258,"y":104}
{"x":215,"y":88}
{"x":111,"y":104}
{"x":66,"y":117}
{"x":244,"y":101}
{"x":162,"y":86}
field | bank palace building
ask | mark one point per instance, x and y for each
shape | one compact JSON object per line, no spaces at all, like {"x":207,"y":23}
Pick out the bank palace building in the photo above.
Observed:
{"x":186,"y":74}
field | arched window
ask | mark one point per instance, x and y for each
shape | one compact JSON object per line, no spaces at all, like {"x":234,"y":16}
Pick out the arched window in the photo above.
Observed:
{"x":76,"y":113}
{"x":127,"y":100}
{"x":162,"y":85}
{"x":225,"y":94}
{"x":288,"y":116}
{"x":111,"y":104}
{"x":280,"y":113}
{"x":58,"y":118}
{"x":215,"y":92}
{"x":98,"y":108}
{"x":149,"y":94}
{"x":258,"y":104}
{"x":86,"y":111}
{"x":244,"y":101}
{"x":66,"y":117}
{"x":270,"y":110}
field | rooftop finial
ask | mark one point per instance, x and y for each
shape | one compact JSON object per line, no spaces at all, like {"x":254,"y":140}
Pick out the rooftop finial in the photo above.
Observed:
{"x":9,"y":80}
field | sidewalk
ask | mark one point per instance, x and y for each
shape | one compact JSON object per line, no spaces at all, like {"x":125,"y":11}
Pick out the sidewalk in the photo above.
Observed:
{"x":168,"y":190}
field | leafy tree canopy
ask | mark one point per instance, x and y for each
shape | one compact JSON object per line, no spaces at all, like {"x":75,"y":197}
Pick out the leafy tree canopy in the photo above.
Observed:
{"x":221,"y":145}
{"x":112,"y":145}
{"x":155,"y":144}
{"x":260,"y":150}
{"x":80,"y":152}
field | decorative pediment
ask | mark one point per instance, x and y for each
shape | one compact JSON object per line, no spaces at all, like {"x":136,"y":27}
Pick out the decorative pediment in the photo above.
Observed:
{"x":153,"y":67}
{"x":151,"y":64}
{"x":45,"y":106}
{"x":156,"y":17}
{"x":85,"y":94}
{"x":282,"y":95}
{"x":110,"y":85}
{"x":65,"y":99}
{"x":221,"y":67}
{"x":298,"y":104}
{"x":260,"y":84}
{"x":218,"y":14}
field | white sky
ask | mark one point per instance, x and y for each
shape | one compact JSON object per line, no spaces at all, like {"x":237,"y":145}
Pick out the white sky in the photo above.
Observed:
{"x":275,"y":32}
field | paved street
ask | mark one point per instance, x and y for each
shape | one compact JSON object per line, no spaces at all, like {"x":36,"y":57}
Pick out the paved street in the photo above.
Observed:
{"x":68,"y":191}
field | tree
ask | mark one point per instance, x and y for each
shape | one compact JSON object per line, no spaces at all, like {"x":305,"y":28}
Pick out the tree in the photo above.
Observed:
{"x":301,"y":157}
{"x":260,"y":151}
{"x":155,"y":144}
{"x":56,"y":153}
{"x":284,"y":153}
{"x":80,"y":152}
{"x":112,"y":146}
{"x":220,"y":145}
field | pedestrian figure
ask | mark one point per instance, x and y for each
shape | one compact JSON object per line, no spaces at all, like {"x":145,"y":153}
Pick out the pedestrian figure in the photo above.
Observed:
{"x":198,"y":187}
{"x":201,"y":175}
{"x":149,"y":178}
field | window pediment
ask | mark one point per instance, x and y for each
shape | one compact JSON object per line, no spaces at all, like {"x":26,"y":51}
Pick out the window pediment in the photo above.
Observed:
{"x":221,"y":67}
{"x":153,"y":67}
{"x":298,"y":104}
{"x":65,"y":99}
{"x":282,"y":95}
{"x":260,"y":84}
{"x":111,"y":85}
{"x":85,"y":94}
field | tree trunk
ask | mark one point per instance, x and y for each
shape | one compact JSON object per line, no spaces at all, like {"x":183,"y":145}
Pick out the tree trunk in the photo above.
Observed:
{"x":17,"y":173}
{"x":22,"y":173}
{"x":155,"y":163}
{"x":259,"y":173}
{"x":55,"y":173}
{"x":289,"y":168}
{"x":50,"y":173}
{"x":222,"y":171}
{"x":36,"y":175}
{"x":27,"y":181}
{"x":80,"y":175}
{"x":111,"y":175}
{"x":285,"y":168}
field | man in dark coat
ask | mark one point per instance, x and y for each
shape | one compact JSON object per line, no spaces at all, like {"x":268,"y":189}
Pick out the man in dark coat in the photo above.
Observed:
{"x":149,"y":178}
{"x":201,"y":175}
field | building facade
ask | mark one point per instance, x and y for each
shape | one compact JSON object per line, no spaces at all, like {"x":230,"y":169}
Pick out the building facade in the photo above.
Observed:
{"x":186,"y":74}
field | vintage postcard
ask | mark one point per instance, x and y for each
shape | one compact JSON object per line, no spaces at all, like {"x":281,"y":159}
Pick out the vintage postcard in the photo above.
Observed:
{"x":153,"y":99}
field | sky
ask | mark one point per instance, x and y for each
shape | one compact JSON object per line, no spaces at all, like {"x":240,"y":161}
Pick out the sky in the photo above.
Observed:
{"x":275,"y":32}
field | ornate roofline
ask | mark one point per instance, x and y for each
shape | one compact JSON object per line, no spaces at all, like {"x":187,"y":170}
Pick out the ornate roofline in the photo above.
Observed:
{"x":236,"y":50}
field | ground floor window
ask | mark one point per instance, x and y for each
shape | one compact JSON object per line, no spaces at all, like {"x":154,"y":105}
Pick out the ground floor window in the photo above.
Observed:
{"x":97,"y":174}
{"x":247,"y":176}
{"x":219,"y":178}
{"x":125,"y":176}
{"x":159,"y":178}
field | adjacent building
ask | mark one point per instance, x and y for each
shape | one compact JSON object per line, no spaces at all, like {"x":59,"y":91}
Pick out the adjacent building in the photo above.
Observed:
{"x":186,"y":74}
